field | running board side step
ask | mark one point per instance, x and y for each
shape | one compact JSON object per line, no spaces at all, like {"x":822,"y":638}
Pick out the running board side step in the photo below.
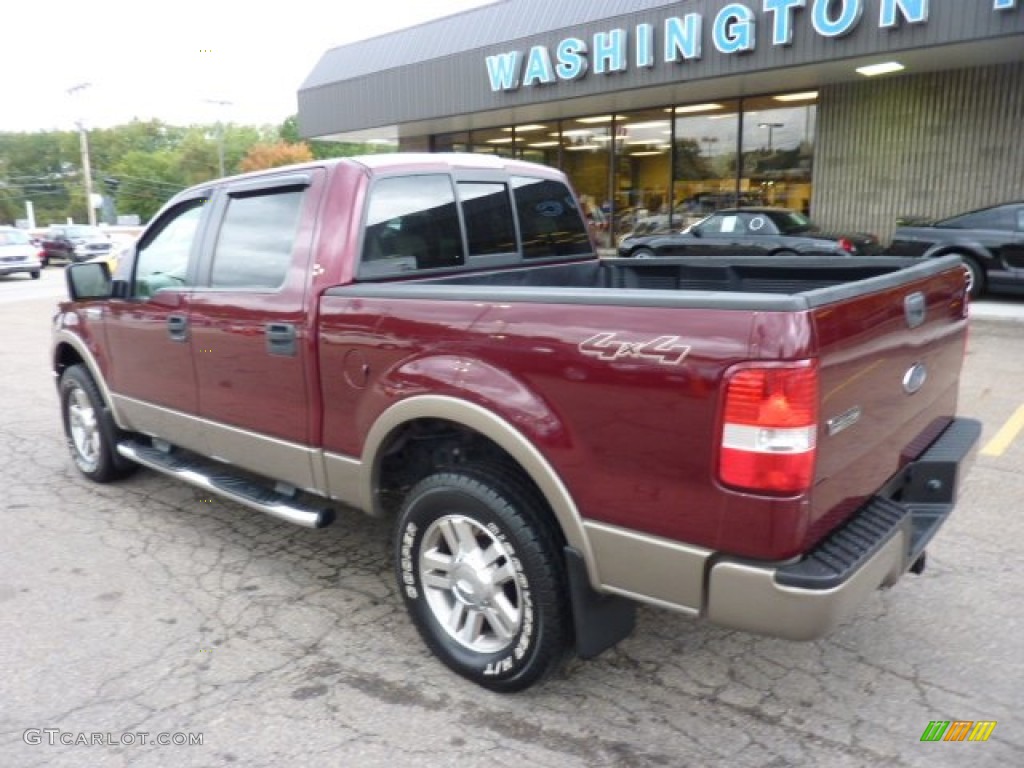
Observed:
{"x":217,"y":478}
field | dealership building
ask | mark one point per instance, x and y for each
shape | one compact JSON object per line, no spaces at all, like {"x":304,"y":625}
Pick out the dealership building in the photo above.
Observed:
{"x":856,"y":111}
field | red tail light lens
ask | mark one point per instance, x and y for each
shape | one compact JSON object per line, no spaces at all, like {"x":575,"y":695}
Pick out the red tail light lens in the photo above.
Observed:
{"x":847,"y":245}
{"x":769,"y":430}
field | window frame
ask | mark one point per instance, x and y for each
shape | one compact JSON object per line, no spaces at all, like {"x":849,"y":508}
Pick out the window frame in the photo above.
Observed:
{"x":368,"y":271}
{"x":200,"y":200}
{"x":219,"y":202}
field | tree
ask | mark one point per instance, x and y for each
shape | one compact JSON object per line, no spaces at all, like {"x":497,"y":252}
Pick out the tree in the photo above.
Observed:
{"x":265,"y":155}
{"x":289,"y":132}
{"x":41,"y":167}
{"x":147,"y":181}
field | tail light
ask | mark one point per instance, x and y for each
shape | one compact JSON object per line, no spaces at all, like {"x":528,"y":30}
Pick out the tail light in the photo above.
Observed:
{"x":847,"y":245}
{"x":769,"y":428}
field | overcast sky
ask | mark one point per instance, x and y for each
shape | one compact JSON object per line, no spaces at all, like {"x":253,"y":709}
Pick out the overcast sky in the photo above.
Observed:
{"x":165,"y":58}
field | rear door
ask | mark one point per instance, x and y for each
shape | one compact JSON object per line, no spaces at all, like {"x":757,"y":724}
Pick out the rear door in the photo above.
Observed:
{"x":725,"y":234}
{"x":252,"y":335}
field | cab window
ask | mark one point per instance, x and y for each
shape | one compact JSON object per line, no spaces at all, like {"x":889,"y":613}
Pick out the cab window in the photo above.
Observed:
{"x":163,"y":257}
{"x":255,"y":242}
{"x":550,"y":222}
{"x":411,"y":224}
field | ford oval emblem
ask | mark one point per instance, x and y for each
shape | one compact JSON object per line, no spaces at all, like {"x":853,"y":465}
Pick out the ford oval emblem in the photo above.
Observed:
{"x":915,"y":378}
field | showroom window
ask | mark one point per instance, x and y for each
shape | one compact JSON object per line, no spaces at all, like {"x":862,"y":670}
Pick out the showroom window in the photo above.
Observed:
{"x":587,"y":144}
{"x":778,"y":150}
{"x":668,"y":167}
{"x":704,"y":176}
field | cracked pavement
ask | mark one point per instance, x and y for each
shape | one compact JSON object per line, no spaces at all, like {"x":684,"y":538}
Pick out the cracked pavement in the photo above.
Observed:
{"x":145,"y":606}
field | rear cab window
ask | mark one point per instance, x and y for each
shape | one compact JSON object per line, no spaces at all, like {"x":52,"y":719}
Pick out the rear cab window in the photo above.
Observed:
{"x":432,"y":222}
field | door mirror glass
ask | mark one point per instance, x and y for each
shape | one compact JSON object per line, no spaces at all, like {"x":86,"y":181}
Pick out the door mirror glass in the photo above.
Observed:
{"x":90,"y":280}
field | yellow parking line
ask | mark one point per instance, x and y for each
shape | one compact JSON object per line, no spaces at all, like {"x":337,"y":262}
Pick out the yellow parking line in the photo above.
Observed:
{"x":1006,"y":435}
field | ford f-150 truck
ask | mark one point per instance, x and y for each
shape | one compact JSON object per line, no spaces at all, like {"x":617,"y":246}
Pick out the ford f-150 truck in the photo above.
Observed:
{"x":758,"y":442}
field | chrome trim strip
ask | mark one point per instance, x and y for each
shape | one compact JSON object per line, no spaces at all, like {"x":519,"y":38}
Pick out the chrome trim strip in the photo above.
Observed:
{"x":268,"y":456}
{"x":648,"y":568}
{"x":494,"y":428}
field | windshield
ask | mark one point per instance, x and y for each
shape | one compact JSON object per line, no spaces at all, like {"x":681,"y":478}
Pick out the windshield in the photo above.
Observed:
{"x":13,"y":237}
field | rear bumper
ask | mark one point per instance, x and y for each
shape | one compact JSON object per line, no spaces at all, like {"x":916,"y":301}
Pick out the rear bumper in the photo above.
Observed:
{"x":805,"y":599}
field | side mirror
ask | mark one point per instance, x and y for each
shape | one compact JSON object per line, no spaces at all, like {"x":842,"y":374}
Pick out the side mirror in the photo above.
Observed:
{"x":89,"y":280}
{"x":695,"y":231}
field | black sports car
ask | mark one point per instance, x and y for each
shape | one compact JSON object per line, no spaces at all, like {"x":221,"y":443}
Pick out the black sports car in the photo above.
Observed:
{"x":750,"y":232}
{"x":989,"y":240}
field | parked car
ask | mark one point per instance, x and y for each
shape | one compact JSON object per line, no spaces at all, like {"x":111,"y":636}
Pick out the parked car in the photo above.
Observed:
{"x":18,"y":254}
{"x":989,"y":240}
{"x":74,"y":242}
{"x":750,"y":232}
{"x":120,"y":245}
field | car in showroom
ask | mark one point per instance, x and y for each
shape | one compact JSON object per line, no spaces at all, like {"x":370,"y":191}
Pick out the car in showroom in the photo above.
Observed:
{"x":18,"y":253}
{"x":74,"y":243}
{"x":759,"y":231}
{"x":989,"y":240}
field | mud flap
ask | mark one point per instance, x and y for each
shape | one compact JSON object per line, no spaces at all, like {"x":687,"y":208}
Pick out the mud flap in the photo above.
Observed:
{"x":601,"y":621}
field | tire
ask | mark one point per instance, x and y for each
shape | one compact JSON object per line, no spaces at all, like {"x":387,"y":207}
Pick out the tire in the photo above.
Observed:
{"x":785,"y":253}
{"x":643,"y":253}
{"x":90,"y":431}
{"x":483,"y":577}
{"x":35,"y":274}
{"x":976,"y":282}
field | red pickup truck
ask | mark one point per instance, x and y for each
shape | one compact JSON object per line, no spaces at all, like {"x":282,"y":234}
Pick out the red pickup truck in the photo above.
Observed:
{"x":761,"y":442}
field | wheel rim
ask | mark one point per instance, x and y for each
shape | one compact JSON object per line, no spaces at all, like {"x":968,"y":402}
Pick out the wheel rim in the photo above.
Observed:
{"x":84,"y":428}
{"x":971,"y":278}
{"x":471,"y":584}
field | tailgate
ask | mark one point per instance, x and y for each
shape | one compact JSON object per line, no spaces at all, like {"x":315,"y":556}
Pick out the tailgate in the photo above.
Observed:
{"x":890,"y":364}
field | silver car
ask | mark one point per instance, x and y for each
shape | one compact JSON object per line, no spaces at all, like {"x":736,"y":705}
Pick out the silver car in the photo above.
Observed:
{"x":18,"y":253}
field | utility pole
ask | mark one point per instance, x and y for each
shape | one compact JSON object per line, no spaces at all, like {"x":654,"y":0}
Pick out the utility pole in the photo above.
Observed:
{"x":83,"y":140}
{"x":220,"y":133}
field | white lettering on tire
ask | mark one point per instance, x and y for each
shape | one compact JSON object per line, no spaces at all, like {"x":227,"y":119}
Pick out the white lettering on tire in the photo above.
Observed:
{"x":408,"y":577}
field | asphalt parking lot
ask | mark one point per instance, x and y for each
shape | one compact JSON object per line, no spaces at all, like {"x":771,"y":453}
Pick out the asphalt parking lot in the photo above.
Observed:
{"x":146,"y":608}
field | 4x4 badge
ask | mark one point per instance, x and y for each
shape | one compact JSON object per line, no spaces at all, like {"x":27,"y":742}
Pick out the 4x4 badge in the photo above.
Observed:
{"x":666,"y":350}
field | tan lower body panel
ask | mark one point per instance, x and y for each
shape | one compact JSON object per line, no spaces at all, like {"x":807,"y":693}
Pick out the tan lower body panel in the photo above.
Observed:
{"x":280,"y":460}
{"x":747,"y":597}
{"x":648,"y":568}
{"x":345,"y":481}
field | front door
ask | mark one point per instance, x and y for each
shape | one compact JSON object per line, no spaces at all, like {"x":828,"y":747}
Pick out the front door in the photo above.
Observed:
{"x":151,"y":372}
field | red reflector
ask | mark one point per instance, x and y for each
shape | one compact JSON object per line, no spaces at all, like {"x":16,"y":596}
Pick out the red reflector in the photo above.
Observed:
{"x":769,"y":431}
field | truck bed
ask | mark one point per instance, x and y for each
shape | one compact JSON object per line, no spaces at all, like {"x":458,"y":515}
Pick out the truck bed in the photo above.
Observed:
{"x":742,"y":283}
{"x":645,"y":424}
